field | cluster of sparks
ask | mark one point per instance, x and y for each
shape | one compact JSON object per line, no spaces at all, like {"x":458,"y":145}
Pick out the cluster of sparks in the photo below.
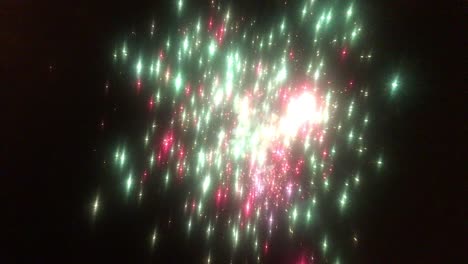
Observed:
{"x":253,"y":121}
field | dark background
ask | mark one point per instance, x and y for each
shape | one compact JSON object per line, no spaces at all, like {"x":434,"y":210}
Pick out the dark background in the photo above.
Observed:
{"x":55,"y":59}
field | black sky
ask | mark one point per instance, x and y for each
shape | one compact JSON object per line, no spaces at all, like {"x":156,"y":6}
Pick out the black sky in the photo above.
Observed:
{"x":54,"y":61}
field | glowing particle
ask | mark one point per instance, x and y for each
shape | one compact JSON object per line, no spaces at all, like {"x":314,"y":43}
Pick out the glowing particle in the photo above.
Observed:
{"x":180,"y":4}
{"x":178,"y":82}
{"x":282,"y":74}
{"x":343,"y":200}
{"x":212,"y":48}
{"x":394,"y":85}
{"x":124,"y":51}
{"x":154,"y":238}
{"x":95,"y":205}
{"x":349,"y":12}
{"x":186,"y":44}
{"x":139,"y":67}
{"x":122,"y":158}
{"x":379,"y":162}
{"x":129,"y":182}
{"x":206,"y":183}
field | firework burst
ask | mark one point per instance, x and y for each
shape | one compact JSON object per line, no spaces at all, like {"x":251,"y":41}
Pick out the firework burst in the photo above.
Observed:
{"x":253,"y":123}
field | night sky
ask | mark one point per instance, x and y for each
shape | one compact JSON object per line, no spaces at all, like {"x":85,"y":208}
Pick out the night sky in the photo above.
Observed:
{"x":56,"y":59}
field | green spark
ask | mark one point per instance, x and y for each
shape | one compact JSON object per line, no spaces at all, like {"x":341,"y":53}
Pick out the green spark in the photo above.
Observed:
{"x":343,"y":200}
{"x":200,"y":207}
{"x":350,"y":109}
{"x":350,"y":136}
{"x":186,"y":44}
{"x":235,"y":234}
{"x":349,"y":12}
{"x":122,"y":158}
{"x":95,"y":205}
{"x":316,"y":74}
{"x":129,"y":182}
{"x":167,"y":178}
{"x":212,"y":48}
{"x":168,"y":43}
{"x":154,"y":237}
{"x":158,"y":66}
{"x":353,"y":34}
{"x":319,"y":25}
{"x":139,"y":67}
{"x":179,"y":5}
{"x":124,"y":50}
{"x":394,"y":85}
{"x":178,"y":82}
{"x":379,"y":162}
{"x":206,"y":183}
{"x":356,"y":179}
{"x":208,"y":230}
{"x":282,"y":74}
{"x":327,"y":184}
{"x":329,"y":16}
